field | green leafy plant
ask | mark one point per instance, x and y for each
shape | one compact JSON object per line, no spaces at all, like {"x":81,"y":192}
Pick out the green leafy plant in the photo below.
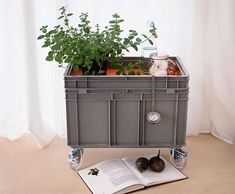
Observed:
{"x":91,"y":49}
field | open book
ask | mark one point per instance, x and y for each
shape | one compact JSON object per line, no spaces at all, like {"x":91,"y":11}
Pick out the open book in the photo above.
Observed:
{"x":122,"y":176}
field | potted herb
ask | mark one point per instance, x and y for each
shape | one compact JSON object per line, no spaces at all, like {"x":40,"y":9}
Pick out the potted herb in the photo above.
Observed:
{"x":116,"y":111}
{"x":90,"y":50}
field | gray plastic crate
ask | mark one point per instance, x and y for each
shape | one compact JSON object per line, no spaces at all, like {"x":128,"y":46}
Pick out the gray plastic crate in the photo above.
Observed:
{"x":110,"y":111}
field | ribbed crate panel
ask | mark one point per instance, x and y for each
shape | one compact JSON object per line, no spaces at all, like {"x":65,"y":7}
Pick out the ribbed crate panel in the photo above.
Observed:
{"x":110,"y":111}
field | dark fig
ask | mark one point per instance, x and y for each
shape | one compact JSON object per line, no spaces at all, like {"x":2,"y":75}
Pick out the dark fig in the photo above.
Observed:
{"x":142,"y":164}
{"x":156,"y":163}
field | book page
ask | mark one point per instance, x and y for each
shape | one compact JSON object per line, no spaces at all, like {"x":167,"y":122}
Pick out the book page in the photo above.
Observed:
{"x":113,"y":176}
{"x":149,"y":177}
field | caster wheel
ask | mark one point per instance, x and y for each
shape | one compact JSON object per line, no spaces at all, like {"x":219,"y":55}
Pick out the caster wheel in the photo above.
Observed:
{"x":75,"y":158}
{"x":179,"y":157}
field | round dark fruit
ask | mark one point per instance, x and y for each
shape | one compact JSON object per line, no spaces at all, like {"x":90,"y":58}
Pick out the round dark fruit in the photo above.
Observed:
{"x":156,"y":163}
{"x":142,"y":164}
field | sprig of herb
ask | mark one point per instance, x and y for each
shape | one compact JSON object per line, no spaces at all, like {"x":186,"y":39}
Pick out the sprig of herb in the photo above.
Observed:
{"x":82,"y":46}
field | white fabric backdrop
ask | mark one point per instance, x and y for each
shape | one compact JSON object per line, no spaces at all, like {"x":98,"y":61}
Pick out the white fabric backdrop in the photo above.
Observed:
{"x":200,"y":32}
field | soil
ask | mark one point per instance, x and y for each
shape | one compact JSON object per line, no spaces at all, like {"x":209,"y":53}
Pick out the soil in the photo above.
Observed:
{"x":172,"y":69}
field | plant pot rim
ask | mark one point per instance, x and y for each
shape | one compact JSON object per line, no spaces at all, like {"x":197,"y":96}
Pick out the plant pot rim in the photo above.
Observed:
{"x":183,"y":71}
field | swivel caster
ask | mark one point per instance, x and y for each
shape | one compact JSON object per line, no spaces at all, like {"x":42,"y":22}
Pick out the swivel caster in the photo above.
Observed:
{"x":75,"y":158}
{"x":179,"y":157}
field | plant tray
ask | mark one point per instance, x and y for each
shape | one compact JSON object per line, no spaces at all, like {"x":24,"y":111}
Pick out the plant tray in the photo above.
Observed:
{"x":110,"y":111}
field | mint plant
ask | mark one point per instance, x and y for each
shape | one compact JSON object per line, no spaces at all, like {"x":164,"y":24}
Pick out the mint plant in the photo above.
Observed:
{"x":90,"y":49}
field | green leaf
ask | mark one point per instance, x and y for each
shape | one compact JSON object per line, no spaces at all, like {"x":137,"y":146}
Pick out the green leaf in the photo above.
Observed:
{"x":44,"y":30}
{"x":134,"y":46}
{"x":60,"y":17}
{"x":126,"y":49}
{"x":50,"y":33}
{"x":57,"y":26}
{"x":55,"y":47}
{"x":144,"y":35}
{"x":114,"y":65}
{"x":46,"y":44}
{"x":150,"y":41}
{"x":62,"y":8}
{"x":126,"y":41}
{"x":41,"y":37}
{"x":138,"y":40}
{"x":87,"y":30}
{"x":118,"y":72}
{"x":119,"y":51}
{"x":134,"y":33}
{"x":116,"y":15}
{"x":101,"y":72}
{"x":112,"y":22}
{"x":86,"y":73}
{"x":121,"y":20}
{"x":131,"y":73}
{"x":153,"y":32}
{"x":75,"y":67}
{"x":143,"y":68}
{"x":68,"y":60}
{"x":50,"y":56}
{"x":70,"y":14}
{"x":119,"y":39}
{"x":58,"y":58}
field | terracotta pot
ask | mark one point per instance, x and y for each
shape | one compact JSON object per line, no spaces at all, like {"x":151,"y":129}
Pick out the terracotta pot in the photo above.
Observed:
{"x":113,"y":71}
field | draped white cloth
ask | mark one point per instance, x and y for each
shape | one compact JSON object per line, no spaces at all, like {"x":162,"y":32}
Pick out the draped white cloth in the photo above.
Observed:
{"x":200,"y":32}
